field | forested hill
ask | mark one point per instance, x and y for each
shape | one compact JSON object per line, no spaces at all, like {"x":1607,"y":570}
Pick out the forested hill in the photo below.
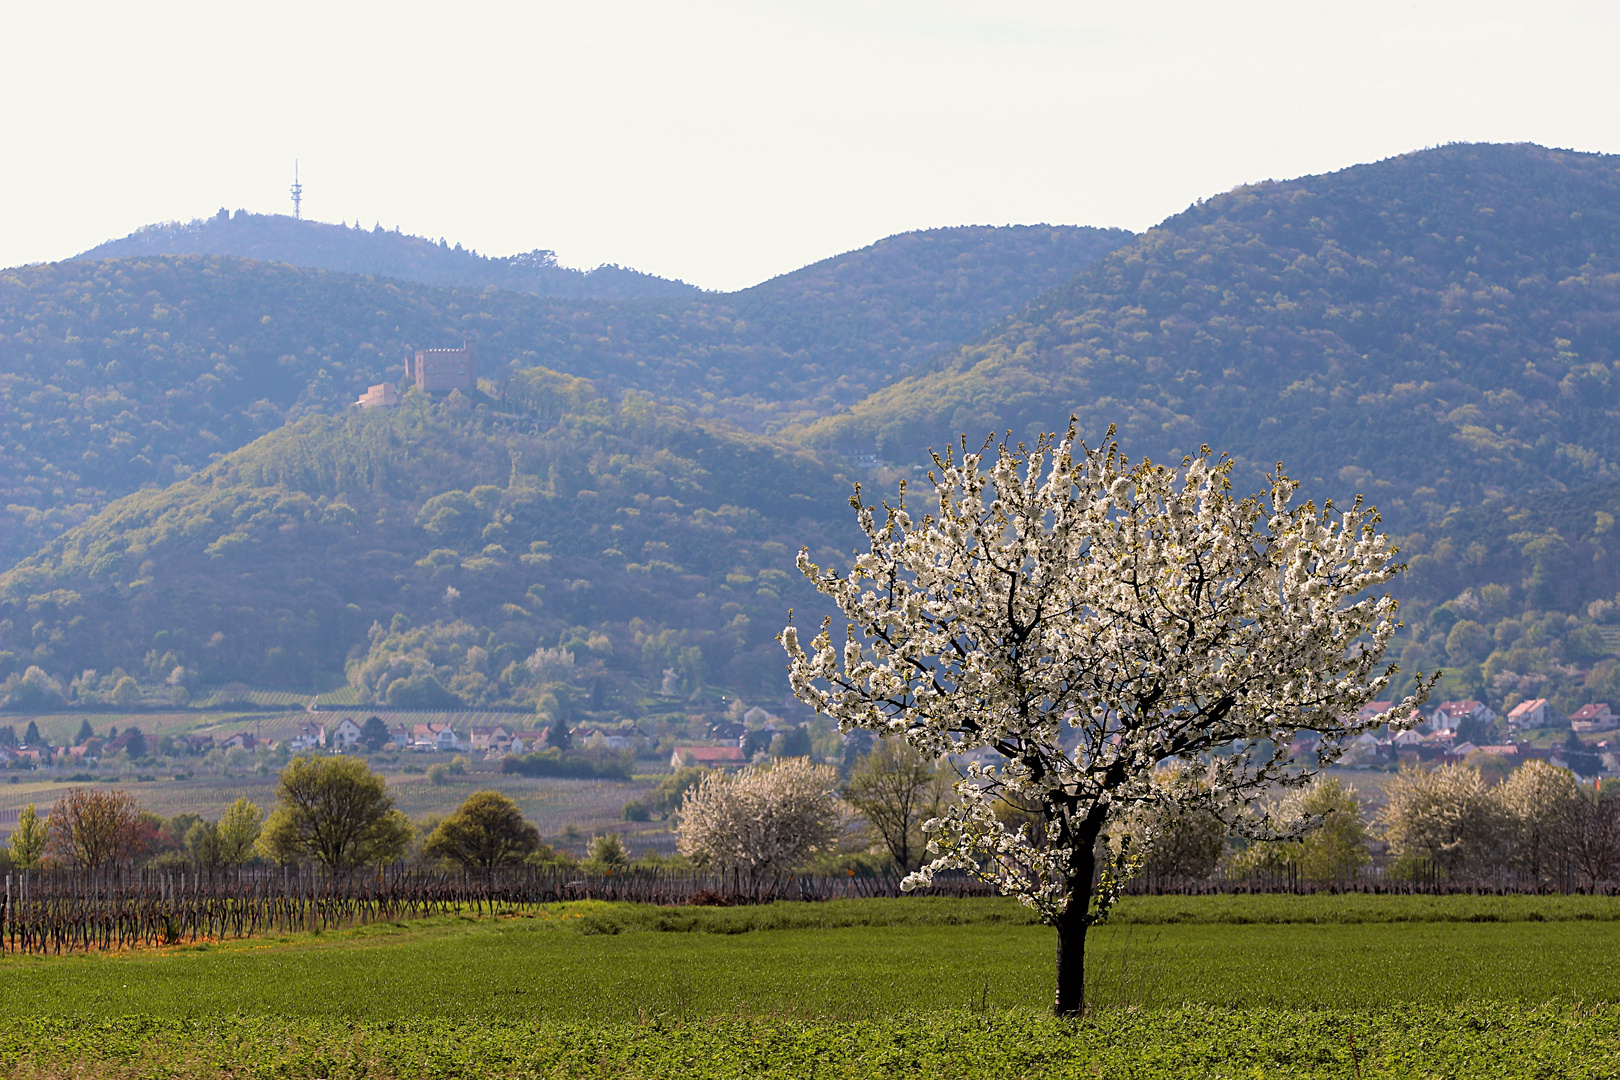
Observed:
{"x":1432,"y":330}
{"x":470,"y":532}
{"x":322,"y":246}
{"x":1517,"y":598}
{"x":909,"y":298}
{"x":128,"y":372}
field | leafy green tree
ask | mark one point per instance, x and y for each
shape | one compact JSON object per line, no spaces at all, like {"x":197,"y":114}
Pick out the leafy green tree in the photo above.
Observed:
{"x":486,"y":831}
{"x":239,"y":829}
{"x":1332,"y":850}
{"x":31,"y":735}
{"x":421,"y":691}
{"x":127,"y":692}
{"x":33,"y":690}
{"x":895,"y":789}
{"x":202,"y":845}
{"x":607,"y":854}
{"x":135,"y":744}
{"x":558,"y":737}
{"x":335,"y":811}
{"x":1468,"y":642}
{"x":86,"y":732}
{"x":792,"y":742}
{"x":27,"y":842}
{"x":374,"y":733}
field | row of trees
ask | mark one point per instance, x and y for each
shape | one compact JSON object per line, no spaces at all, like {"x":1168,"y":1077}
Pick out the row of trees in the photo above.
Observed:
{"x":89,"y":829}
{"x":1538,"y":824}
{"x":334,"y":812}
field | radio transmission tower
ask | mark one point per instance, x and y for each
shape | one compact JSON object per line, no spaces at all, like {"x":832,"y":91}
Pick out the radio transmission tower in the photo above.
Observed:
{"x":297,"y":193}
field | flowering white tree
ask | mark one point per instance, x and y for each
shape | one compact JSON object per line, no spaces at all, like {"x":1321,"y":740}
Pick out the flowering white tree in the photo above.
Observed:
{"x":1447,"y":820}
{"x":1091,"y":621}
{"x":761,"y":822}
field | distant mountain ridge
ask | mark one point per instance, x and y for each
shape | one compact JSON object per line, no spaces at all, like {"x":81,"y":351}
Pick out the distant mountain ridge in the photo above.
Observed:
{"x":135,"y":371}
{"x":323,"y":246}
{"x":1431,"y":330}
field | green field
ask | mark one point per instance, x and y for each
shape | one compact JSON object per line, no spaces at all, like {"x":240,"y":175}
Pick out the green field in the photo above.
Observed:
{"x":1217,"y":986}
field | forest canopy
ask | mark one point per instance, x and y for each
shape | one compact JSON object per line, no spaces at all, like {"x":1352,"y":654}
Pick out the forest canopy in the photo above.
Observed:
{"x":1432,"y":330}
{"x":451,"y":551}
{"x":132,"y":372}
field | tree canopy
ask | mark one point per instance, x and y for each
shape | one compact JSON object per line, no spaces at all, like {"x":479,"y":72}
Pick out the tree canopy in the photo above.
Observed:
{"x":486,"y":831}
{"x":336,"y":812}
{"x":1101,"y":639}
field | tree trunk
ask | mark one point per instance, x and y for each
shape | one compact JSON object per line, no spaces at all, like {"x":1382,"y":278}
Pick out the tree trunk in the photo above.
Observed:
{"x":1071,"y":955}
{"x":1071,"y":930}
{"x":1074,"y":922}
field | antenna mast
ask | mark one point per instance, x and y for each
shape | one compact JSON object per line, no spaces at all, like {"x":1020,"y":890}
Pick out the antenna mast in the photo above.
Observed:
{"x":297,"y":194}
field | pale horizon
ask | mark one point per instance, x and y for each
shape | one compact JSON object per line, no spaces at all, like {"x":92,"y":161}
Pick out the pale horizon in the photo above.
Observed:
{"x":724,"y":144}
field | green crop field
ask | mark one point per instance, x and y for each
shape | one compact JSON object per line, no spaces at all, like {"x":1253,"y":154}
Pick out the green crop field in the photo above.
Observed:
{"x":1217,"y":986}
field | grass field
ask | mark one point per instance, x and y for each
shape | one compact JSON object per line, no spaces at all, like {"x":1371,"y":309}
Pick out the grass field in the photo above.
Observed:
{"x":1219,"y":986}
{"x":844,"y":960}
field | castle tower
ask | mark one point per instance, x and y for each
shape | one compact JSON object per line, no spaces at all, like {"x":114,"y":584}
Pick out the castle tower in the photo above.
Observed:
{"x":443,"y":370}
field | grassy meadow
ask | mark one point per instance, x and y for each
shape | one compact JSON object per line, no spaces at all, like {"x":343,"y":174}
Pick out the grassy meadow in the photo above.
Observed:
{"x":1234,"y":986}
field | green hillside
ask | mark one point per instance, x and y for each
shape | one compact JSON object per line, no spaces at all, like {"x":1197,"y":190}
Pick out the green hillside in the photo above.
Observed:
{"x":125,"y":373}
{"x":874,"y":314}
{"x":322,"y":246}
{"x":1518,"y":598}
{"x":435,"y":547}
{"x":1433,"y":330}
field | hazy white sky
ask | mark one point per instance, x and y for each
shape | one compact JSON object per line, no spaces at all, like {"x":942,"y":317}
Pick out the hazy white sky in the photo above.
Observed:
{"x":725,"y":142}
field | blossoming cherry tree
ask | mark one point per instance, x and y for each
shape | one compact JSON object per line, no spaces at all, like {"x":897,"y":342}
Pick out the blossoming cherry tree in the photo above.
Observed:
{"x":1096,"y":639}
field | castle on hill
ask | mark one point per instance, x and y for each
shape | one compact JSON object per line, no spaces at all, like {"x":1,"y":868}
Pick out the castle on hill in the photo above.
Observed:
{"x":433,"y":371}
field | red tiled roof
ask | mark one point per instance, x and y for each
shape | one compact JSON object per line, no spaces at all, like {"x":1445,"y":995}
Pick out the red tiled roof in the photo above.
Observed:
{"x":713,"y":754}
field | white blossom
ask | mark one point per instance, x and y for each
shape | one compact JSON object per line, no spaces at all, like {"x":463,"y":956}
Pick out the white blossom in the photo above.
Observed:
{"x":1093,"y":621}
{"x":761,"y":822}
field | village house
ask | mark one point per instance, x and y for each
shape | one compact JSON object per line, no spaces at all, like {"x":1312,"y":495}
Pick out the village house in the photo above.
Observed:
{"x":727,"y":729}
{"x":1449,"y":715}
{"x":1432,"y":747}
{"x":438,"y":737}
{"x":307,"y":737}
{"x":400,"y":736}
{"x":1594,"y":717}
{"x":489,"y":738}
{"x":525,"y":742}
{"x":345,"y":734}
{"x":710,"y":757}
{"x":1368,"y":749}
{"x":596,"y":738}
{"x":1537,"y":712}
{"x":245,"y":740}
{"x":89,"y":750}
